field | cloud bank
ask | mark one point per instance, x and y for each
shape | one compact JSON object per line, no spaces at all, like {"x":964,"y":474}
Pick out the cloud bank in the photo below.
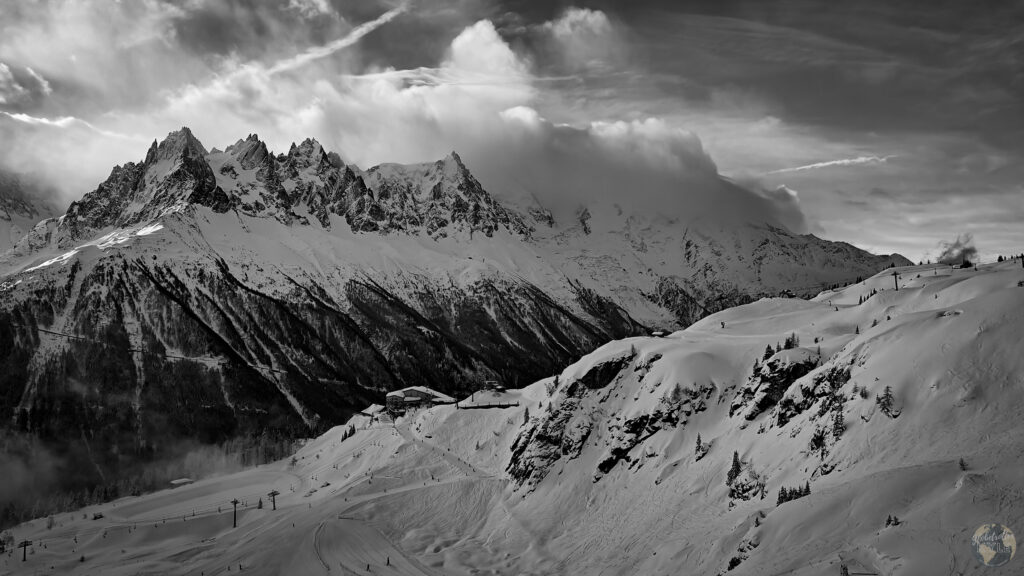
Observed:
{"x":819,"y":102}
{"x":481,"y":100}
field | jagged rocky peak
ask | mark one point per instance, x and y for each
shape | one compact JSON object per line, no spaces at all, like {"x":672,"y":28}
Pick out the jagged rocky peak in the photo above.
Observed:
{"x":441,"y":196}
{"x":452,"y":164}
{"x":250,"y":153}
{"x":438,"y":198}
{"x":446,"y":179}
{"x":174,"y":172}
{"x":309,"y":155}
{"x":452,"y":169}
{"x":178,"y":144}
{"x":309,"y":150}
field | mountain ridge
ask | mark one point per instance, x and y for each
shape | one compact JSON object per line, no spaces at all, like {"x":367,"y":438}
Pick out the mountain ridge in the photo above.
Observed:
{"x":284,"y":292}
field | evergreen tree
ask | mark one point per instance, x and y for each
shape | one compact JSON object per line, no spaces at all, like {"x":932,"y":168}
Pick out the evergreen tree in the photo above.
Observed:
{"x":526,"y":416}
{"x":735,"y":469}
{"x":699,"y":445}
{"x":838,"y":425}
{"x":783,"y":496}
{"x":874,"y":322}
{"x":886,"y":401}
{"x":856,"y":330}
{"x":792,"y":341}
{"x":807,"y":488}
{"x":767,"y":352}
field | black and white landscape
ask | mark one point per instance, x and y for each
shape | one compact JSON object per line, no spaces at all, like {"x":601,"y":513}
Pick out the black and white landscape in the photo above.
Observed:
{"x":490,"y":287}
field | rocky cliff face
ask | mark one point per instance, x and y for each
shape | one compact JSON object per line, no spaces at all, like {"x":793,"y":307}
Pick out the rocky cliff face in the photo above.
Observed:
{"x":204,"y":295}
{"x":438,"y":197}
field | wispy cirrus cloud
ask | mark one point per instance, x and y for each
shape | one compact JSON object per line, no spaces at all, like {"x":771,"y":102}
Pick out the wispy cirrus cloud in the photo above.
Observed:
{"x":44,"y":84}
{"x":10,"y":89}
{"x":69,"y":121}
{"x":349,"y":40}
{"x":858,"y":161}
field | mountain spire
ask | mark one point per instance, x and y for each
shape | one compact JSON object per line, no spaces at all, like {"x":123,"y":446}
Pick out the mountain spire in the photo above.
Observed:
{"x":177,"y":144}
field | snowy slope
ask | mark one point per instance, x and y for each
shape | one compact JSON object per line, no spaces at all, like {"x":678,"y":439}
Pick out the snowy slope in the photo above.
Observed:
{"x":597,"y":471}
{"x":228,"y":292}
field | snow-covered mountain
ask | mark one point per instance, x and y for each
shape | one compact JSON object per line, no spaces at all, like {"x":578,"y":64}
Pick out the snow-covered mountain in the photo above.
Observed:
{"x":875,"y":436}
{"x":208,"y":294}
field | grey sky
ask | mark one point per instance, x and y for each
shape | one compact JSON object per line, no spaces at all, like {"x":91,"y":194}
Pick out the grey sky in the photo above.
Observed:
{"x":892,"y":125}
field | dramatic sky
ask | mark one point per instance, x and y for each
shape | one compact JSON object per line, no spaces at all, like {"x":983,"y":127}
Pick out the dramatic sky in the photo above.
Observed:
{"x":891,"y":124}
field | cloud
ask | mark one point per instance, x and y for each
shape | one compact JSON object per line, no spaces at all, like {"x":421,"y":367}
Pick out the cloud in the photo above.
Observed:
{"x":249,"y":75}
{"x":44,"y":85}
{"x":482,"y":99}
{"x":68,"y":121}
{"x":153,"y":21}
{"x":480,"y":102}
{"x":647,"y":166}
{"x":311,"y":8}
{"x":608,"y":83}
{"x":858,"y":161}
{"x":350,"y":39}
{"x":10,"y":90}
{"x":479,"y":49}
{"x":584,"y":40}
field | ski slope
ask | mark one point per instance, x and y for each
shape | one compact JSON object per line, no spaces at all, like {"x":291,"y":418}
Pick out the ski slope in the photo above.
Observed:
{"x":441,"y":492}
